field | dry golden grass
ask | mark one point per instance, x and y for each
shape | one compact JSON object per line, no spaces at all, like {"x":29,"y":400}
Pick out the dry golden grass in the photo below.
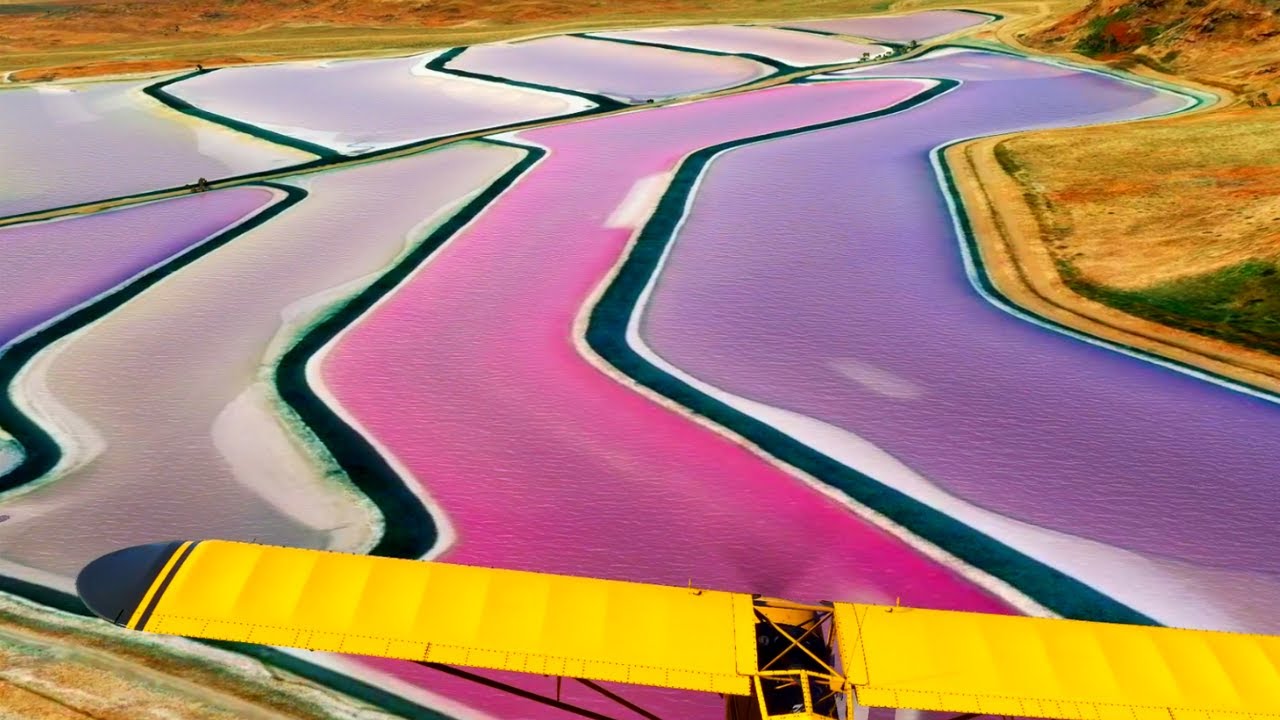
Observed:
{"x":1160,"y":234}
{"x":1137,"y":205}
{"x":1165,"y":231}
{"x":51,"y":670}
{"x":1026,"y":271}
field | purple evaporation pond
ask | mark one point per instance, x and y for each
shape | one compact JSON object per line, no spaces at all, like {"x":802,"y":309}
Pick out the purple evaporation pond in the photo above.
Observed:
{"x":800,"y":294}
{"x":898,"y":28}
{"x":48,"y":268}
{"x":615,"y":69}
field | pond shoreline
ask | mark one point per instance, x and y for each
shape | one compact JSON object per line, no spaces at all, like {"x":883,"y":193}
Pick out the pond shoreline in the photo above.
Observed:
{"x":1011,"y":237}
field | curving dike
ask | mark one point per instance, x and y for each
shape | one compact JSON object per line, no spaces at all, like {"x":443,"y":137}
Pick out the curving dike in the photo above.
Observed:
{"x":741,"y":341}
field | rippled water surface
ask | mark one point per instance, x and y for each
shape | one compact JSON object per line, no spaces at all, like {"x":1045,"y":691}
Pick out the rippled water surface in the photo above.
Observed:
{"x":49,"y":268}
{"x":842,"y":295}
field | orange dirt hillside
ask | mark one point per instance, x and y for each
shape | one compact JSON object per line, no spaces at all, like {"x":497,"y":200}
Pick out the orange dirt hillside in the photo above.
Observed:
{"x":62,"y":23}
{"x":75,"y":38}
{"x":1234,"y":44}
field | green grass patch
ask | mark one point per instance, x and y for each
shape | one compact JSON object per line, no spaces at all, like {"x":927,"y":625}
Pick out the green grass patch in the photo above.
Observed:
{"x":1239,"y":304}
{"x":30,"y":9}
{"x":1004,"y":157}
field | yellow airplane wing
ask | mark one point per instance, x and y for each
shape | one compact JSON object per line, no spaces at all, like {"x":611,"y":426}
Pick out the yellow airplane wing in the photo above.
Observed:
{"x":1035,"y":667}
{"x":431,"y":612}
{"x":809,"y":655}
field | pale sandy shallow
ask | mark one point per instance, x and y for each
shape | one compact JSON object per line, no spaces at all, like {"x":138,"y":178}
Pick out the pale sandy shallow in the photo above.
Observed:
{"x":10,"y":455}
{"x":154,"y":395}
{"x":78,"y":142}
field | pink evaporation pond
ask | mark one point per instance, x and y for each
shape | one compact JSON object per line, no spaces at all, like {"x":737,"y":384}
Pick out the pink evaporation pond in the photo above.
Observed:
{"x":48,"y":268}
{"x":793,"y":48}
{"x":469,"y":376}
{"x":899,"y":28}
{"x":630,"y":72}
{"x":359,"y":106}
{"x":76,"y":143}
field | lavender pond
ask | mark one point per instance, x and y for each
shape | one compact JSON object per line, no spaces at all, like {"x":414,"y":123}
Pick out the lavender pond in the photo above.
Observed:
{"x":47,"y":268}
{"x":794,"y":48}
{"x":860,"y":332}
{"x":357,"y":106}
{"x":73,"y":143}
{"x":631,"y":73}
{"x":899,"y":28}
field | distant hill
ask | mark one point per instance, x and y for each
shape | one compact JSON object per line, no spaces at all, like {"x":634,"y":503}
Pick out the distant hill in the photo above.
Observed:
{"x":1231,"y":43}
{"x":47,"y":39}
